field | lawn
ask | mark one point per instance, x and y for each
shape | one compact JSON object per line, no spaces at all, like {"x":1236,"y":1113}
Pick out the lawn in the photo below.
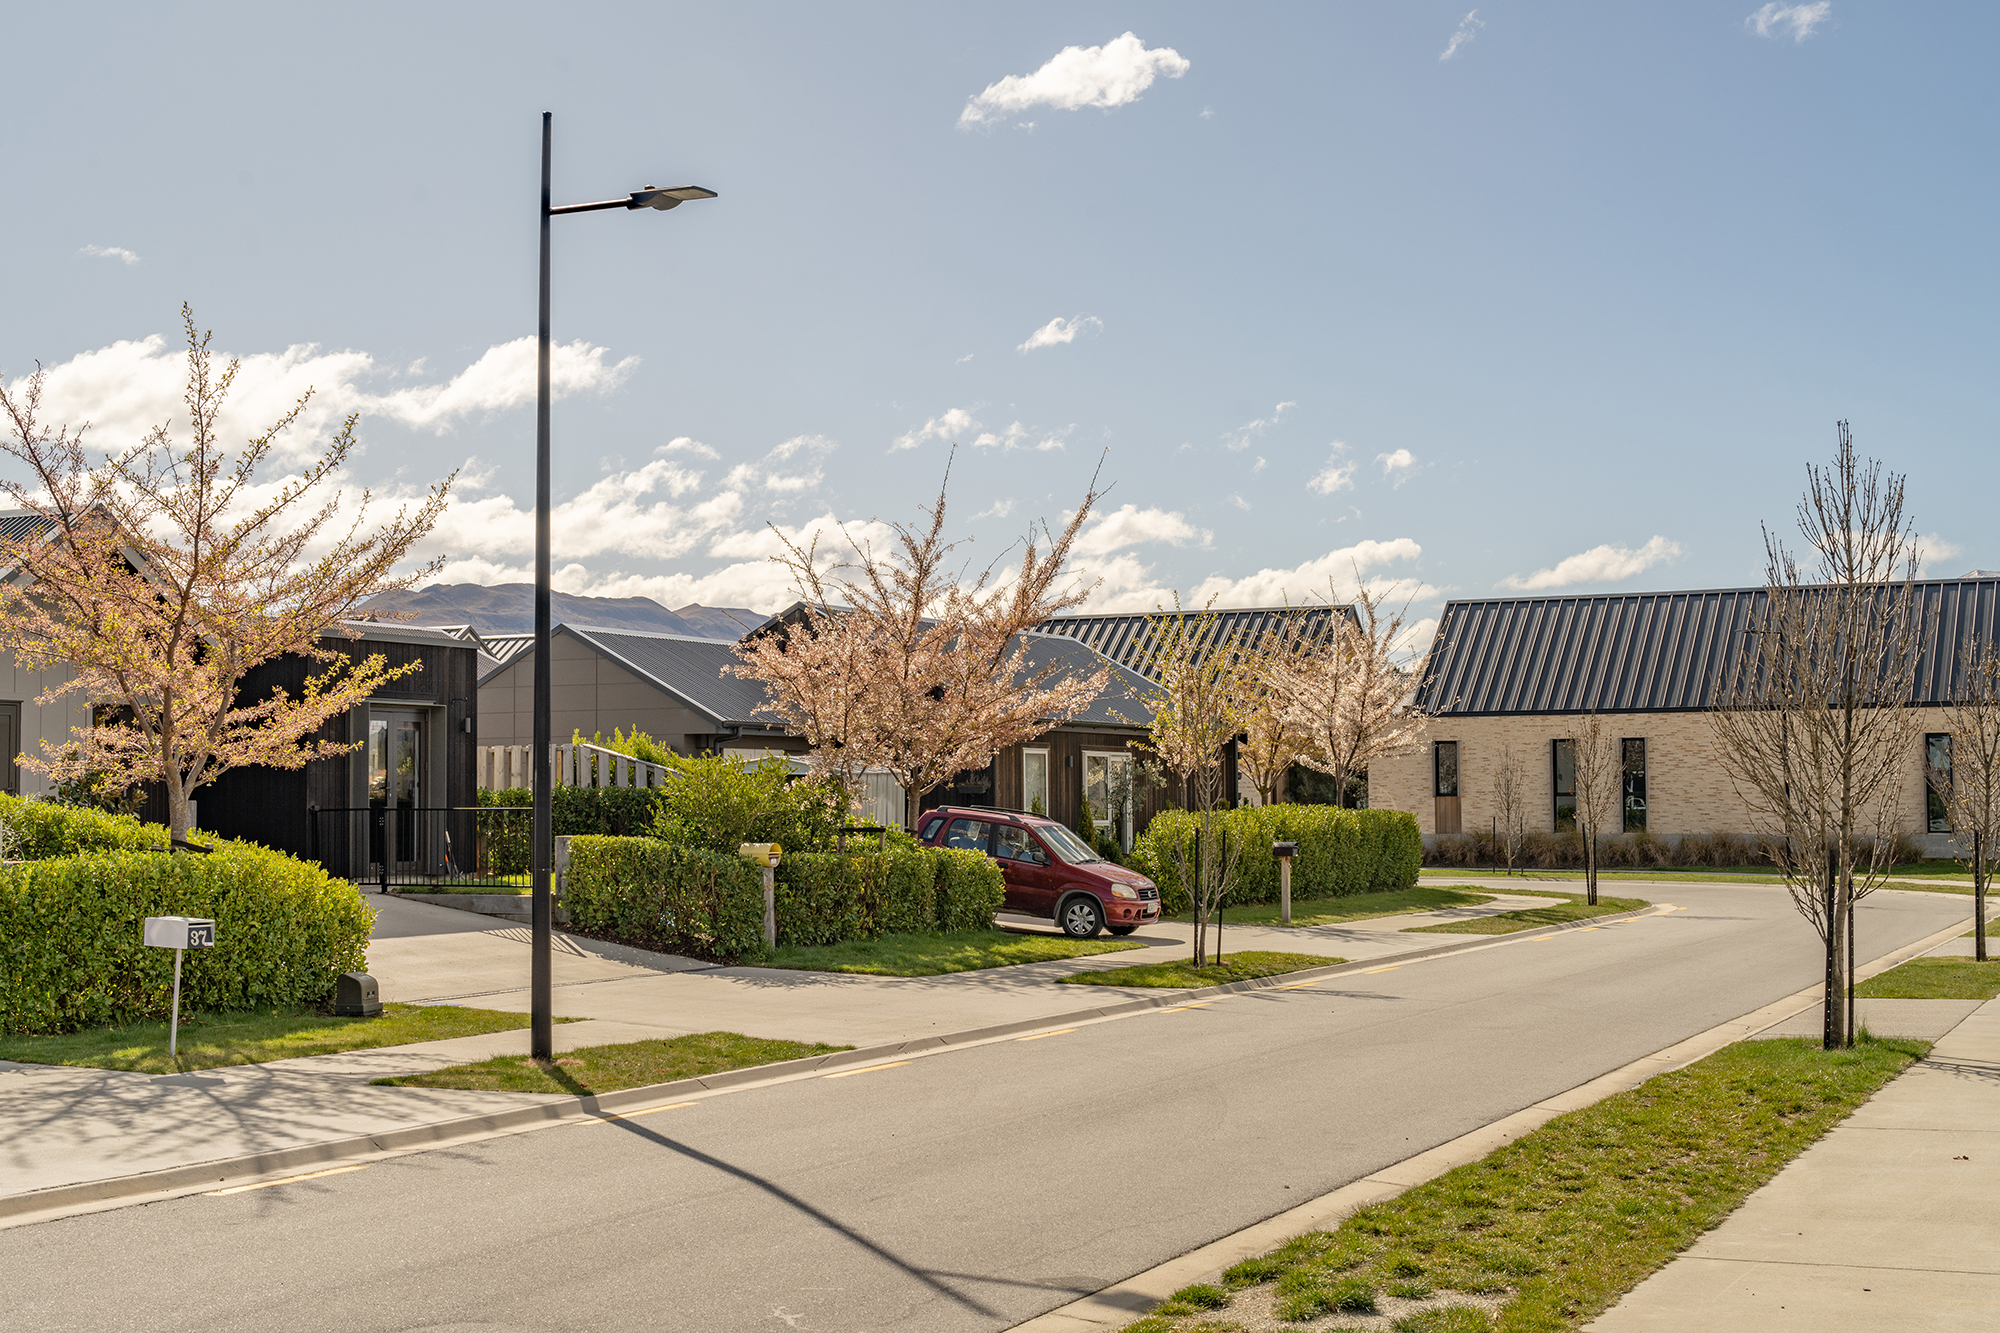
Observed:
{"x":1553,"y":1228}
{"x":1934,"y":979}
{"x":634,"y":1064}
{"x":1182,"y":972}
{"x":1355,"y":907}
{"x":932,"y":955}
{"x":1943,"y":872}
{"x":1571,"y":908}
{"x":209,"y":1041}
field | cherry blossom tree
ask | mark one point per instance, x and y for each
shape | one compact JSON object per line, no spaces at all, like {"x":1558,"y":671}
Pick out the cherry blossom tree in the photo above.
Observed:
{"x":161,"y":573}
{"x":900,"y":662}
{"x":1349,"y":696}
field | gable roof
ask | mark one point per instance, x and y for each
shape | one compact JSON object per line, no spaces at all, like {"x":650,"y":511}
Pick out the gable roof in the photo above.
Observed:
{"x":1127,"y":640}
{"x":1656,"y":652}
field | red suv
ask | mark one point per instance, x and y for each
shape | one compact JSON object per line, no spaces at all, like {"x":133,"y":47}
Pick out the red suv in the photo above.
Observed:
{"x":1049,"y":871}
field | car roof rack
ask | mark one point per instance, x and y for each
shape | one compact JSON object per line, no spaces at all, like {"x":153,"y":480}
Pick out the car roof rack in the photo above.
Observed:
{"x":996,"y":810}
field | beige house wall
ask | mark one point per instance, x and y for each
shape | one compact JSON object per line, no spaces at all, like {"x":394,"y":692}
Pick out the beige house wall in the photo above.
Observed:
{"x":588,"y":693}
{"x":52,"y":722}
{"x":1687,"y":790}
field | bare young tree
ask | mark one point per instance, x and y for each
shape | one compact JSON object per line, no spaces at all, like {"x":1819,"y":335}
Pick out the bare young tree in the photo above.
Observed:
{"x":1969,"y":783}
{"x":1195,"y":716}
{"x":1812,"y":718}
{"x":1510,"y":805}
{"x":1598,"y":772}
{"x":898,"y":663}
{"x":162,"y":573}
{"x":1349,"y":695}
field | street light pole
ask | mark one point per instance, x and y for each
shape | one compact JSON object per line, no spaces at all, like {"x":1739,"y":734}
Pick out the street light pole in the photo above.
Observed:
{"x":542,"y":864}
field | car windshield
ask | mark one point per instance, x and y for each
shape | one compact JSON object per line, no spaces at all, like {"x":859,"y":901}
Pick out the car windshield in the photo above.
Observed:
{"x":1066,"y":844}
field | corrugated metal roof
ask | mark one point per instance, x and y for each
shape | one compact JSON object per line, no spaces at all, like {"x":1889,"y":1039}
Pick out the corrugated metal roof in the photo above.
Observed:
{"x":1128,"y":641}
{"x":1648,"y":652}
{"x":20,"y":523}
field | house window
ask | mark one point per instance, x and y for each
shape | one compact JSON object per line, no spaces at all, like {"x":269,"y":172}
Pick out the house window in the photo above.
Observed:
{"x":1562,"y":765}
{"x":1444,"y":769}
{"x":1634,"y":751}
{"x":1107,"y":785}
{"x":1035,"y":781}
{"x":1937,"y":782}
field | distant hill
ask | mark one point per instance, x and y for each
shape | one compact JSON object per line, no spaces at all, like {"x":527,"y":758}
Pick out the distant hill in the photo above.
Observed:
{"x":509,"y":608}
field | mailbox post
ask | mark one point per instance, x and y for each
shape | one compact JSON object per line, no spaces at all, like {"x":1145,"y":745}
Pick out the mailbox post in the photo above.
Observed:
{"x":766,"y":854}
{"x":178,"y":933}
{"x":1285,"y":851}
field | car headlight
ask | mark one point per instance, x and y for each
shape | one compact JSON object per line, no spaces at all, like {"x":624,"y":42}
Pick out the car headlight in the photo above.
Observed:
{"x":1120,"y":891}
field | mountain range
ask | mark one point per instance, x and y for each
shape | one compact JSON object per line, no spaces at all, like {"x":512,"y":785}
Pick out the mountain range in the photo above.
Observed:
{"x":509,"y":608}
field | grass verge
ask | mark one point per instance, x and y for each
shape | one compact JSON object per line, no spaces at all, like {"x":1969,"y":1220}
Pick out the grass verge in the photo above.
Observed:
{"x":1934,"y":979}
{"x":933,"y":955}
{"x":1571,"y":907}
{"x":1559,"y":1224}
{"x":210,"y":1041}
{"x":632,"y":1064}
{"x":1938,"y":874}
{"x":1234,"y":967}
{"x":1356,"y":907}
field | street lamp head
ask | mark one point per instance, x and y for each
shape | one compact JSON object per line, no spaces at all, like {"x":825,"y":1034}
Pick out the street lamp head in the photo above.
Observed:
{"x":651,"y":197}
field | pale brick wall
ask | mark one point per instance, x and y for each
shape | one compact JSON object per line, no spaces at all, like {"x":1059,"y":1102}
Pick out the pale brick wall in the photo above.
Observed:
{"x":1686,"y":789}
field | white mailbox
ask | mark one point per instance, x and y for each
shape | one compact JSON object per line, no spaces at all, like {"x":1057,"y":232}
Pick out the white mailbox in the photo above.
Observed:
{"x":180,"y":932}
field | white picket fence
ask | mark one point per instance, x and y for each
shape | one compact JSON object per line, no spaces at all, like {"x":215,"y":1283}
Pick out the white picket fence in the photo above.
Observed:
{"x":499,"y":767}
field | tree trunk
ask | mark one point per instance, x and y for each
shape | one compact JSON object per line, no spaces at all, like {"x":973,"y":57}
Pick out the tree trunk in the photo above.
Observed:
{"x":1830,"y":1034}
{"x":912,"y":806}
{"x":1978,"y":900}
{"x":1590,"y":866}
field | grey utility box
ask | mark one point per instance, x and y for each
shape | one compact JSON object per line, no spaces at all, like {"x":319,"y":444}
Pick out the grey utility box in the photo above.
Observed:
{"x":355,"y":996}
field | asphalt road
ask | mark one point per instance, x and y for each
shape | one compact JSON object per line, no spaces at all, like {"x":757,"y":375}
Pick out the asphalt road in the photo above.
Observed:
{"x":963,"y":1191}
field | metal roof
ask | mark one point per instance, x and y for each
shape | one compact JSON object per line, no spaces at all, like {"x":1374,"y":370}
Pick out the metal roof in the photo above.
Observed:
{"x":1657,"y":652}
{"x":1128,"y":641}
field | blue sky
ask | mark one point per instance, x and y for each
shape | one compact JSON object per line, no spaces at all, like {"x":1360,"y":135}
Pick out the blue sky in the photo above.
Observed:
{"x":1591,"y":290}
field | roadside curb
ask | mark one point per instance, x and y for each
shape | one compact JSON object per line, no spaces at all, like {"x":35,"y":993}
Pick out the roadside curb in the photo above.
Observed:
{"x":61,"y":1200}
{"x":1120,"y":1304}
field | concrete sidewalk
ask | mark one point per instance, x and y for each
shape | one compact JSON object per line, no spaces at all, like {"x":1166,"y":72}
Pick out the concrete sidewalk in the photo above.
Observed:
{"x":1886,"y":1224}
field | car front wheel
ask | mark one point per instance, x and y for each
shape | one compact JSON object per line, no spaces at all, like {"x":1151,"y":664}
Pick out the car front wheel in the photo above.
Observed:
{"x":1082,"y":918}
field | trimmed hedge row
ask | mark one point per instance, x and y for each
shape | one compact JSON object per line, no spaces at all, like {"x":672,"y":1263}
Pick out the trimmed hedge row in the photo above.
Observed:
{"x":71,"y":928}
{"x":1340,"y":851}
{"x":38,"y":830}
{"x":709,"y":904}
{"x":615,"y":812}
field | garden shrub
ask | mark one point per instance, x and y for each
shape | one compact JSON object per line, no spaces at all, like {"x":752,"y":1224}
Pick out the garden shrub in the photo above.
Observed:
{"x":610,"y":812}
{"x":719,"y":803}
{"x":826,"y":897}
{"x":648,"y":893}
{"x":969,"y":889}
{"x":819,"y":901}
{"x":37,"y":830}
{"x":71,"y":927}
{"x":1340,"y":852}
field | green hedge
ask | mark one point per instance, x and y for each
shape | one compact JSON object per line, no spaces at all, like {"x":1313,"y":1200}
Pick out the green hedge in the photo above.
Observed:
{"x":611,"y":812}
{"x":71,"y":930}
{"x":657,"y":896}
{"x":1340,"y":851}
{"x":687,"y":900}
{"x":37,"y":830}
{"x":969,"y":889}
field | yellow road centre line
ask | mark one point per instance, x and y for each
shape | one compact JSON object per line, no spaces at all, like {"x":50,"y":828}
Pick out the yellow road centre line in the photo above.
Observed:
{"x":1539,"y":938}
{"x":288,"y":1180}
{"x":1037,"y":1036}
{"x":1373,"y":970}
{"x":634,"y":1115}
{"x":1179,"y":1008}
{"x":850,"y":1073}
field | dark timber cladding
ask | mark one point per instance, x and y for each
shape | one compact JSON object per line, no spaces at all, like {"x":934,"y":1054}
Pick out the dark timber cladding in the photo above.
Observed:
{"x":1651,"y":652}
{"x":1128,"y":639}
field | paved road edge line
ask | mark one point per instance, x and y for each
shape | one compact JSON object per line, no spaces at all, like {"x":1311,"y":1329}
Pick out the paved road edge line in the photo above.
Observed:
{"x":1123,"y":1302}
{"x":170,"y":1182}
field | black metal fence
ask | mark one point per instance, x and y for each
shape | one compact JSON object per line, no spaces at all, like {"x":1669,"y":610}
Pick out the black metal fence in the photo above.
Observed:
{"x":403,"y":847}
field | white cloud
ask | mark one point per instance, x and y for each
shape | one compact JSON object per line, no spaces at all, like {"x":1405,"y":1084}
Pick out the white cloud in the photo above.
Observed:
{"x":998,"y":509}
{"x":1260,"y":465}
{"x":1242,"y":437}
{"x":1124,"y":583}
{"x":1208,"y":113}
{"x":118,"y":252}
{"x":1468,"y":28}
{"x":129,"y":387}
{"x":955,"y":422}
{"x":1059,"y":331}
{"x":684,"y":445}
{"x":1398,"y":464}
{"x":1798,"y":21}
{"x":1337,"y":475}
{"x":963,"y":359}
{"x":1240,"y":502}
{"x":1110,"y":75}
{"x":1018,"y":436}
{"x":1935,"y":547}
{"x":1600,"y":564}
{"x":1133,"y":526}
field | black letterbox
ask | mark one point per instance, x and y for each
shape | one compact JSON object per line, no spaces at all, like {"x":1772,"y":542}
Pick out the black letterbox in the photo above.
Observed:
{"x":354,"y":996}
